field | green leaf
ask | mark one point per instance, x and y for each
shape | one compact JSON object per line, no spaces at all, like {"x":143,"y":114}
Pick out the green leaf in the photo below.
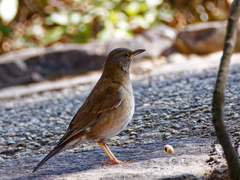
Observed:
{"x":83,"y":34}
{"x":5,"y":30}
{"x":123,"y":25}
{"x":44,"y":2}
{"x":53,"y":35}
{"x":140,"y":21}
{"x":75,"y":18}
{"x":107,"y":32}
{"x":143,"y":7}
{"x":151,"y":15}
{"x":113,"y":16}
{"x":60,"y":18}
{"x":133,"y":8}
{"x":153,"y":3}
{"x":165,"y":15}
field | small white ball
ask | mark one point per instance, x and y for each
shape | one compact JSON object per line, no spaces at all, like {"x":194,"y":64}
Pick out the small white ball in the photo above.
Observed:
{"x":168,"y":148}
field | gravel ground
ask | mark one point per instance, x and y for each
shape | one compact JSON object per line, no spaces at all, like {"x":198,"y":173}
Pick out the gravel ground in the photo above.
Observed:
{"x":168,"y":107}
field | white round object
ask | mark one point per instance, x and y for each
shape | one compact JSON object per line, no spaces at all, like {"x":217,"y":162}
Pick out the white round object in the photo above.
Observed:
{"x":168,"y":148}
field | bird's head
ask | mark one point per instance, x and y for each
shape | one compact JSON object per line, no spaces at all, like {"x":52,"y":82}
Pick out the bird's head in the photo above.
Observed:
{"x":122,"y":58}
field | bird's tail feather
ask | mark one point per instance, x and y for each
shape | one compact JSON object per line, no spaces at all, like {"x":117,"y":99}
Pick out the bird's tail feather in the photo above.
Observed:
{"x":55,"y":151}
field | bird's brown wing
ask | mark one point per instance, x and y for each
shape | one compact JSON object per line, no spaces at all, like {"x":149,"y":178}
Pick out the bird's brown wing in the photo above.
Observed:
{"x":95,"y":107}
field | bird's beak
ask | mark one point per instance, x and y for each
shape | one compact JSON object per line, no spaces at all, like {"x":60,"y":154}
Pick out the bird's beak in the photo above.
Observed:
{"x":138,"y":51}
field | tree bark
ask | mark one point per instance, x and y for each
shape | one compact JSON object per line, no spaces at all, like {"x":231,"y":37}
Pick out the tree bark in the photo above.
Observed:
{"x":218,"y":96}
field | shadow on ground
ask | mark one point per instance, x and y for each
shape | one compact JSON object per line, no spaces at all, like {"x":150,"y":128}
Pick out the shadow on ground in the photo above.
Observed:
{"x":66,"y":164}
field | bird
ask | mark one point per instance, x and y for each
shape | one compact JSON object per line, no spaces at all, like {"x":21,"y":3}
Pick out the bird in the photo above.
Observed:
{"x":106,"y":111}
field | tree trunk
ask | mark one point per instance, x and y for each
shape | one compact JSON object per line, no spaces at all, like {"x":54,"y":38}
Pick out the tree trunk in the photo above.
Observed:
{"x":218,"y":96}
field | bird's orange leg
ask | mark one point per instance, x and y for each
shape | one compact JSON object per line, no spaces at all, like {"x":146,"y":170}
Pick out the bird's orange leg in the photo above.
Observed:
{"x":110,"y":155}
{"x":106,"y":152}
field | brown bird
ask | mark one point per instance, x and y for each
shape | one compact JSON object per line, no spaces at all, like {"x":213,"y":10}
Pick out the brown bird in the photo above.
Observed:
{"x":106,"y":111}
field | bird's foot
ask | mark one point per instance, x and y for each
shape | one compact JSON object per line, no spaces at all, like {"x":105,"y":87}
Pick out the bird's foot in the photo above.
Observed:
{"x":116,"y":162}
{"x":105,"y":163}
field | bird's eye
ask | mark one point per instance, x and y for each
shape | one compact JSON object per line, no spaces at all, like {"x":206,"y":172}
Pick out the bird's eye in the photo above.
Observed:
{"x":126,"y":55}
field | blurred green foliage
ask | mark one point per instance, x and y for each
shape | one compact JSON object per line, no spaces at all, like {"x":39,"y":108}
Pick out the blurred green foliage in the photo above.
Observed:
{"x":45,"y":22}
{"x":5,"y":30}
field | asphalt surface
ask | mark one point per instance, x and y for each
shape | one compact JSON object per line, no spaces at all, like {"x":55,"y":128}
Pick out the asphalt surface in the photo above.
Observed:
{"x":170,"y":109}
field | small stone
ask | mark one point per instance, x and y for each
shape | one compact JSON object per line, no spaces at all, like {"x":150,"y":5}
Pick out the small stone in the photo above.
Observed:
{"x":217,"y":161}
{"x":132,"y":137}
{"x":154,"y":114}
{"x":205,"y":135}
{"x":200,"y":127}
{"x":201,"y":120}
{"x":148,"y":125}
{"x":134,"y":133}
{"x":179,"y":116}
{"x":9,"y":108}
{"x":130,"y":129}
{"x":207,"y":110}
{"x":20,"y":148}
{"x":29,"y":138}
{"x":218,"y":171}
{"x":48,"y":111}
{"x":210,"y":159}
{"x":9,"y":151}
{"x":147,"y":118}
{"x":167,"y":134}
{"x":17,"y":156}
{"x":21,"y":144}
{"x":182,"y":177}
{"x":34,"y":144}
{"x":237,"y":134}
{"x":10,"y":142}
{"x":174,"y":131}
{"x":185,"y":130}
{"x":1,"y":159}
{"x":176,"y":126}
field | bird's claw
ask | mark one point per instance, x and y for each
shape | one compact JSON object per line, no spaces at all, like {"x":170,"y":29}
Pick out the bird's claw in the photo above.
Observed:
{"x":115,"y":162}
{"x":105,"y":163}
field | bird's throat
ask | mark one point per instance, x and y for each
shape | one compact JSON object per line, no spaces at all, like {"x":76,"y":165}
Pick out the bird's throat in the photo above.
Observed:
{"x":116,"y":73}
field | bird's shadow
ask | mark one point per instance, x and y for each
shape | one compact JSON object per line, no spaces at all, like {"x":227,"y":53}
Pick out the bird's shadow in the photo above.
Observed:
{"x":78,"y":162}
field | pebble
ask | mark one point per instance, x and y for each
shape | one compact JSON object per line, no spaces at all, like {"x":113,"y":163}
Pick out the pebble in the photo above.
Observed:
{"x":237,"y":134}
{"x":20,"y":148}
{"x":148,"y":125}
{"x":10,"y":151}
{"x":167,"y":134}
{"x":1,"y":159}
{"x":130,"y":129}
{"x":29,"y":138}
{"x":34,"y":144}
{"x":10,"y":142}
{"x":205,"y":135}
{"x":217,"y":171}
{"x":200,"y":127}
{"x":134,"y":133}
{"x":185,"y":176}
